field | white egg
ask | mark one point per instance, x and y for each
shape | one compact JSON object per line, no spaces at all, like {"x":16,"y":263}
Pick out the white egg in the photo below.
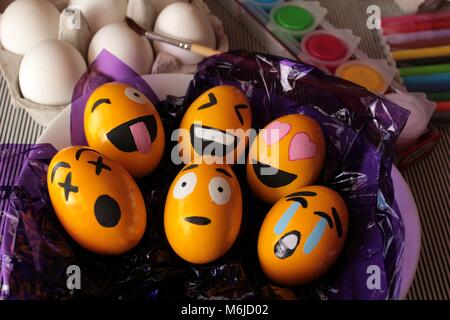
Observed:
{"x":49,"y":72}
{"x":26,"y":23}
{"x":99,"y":13}
{"x":124,"y":43}
{"x":161,"y":4}
{"x":184,"y":21}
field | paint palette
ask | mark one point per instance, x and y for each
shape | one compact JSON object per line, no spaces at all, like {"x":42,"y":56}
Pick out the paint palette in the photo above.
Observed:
{"x":302,"y":31}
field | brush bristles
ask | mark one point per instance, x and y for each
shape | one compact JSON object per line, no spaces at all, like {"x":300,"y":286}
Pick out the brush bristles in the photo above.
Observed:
{"x":133,"y":25}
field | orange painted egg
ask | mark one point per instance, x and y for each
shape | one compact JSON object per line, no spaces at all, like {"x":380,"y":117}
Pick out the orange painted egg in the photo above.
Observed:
{"x":286,"y":155}
{"x":96,"y":201}
{"x":214,"y":128}
{"x":303,"y":235}
{"x":121,"y":123}
{"x":203,"y":212}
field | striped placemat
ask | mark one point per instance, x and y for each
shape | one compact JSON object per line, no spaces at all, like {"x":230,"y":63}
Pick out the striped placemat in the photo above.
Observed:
{"x":16,"y":126}
{"x":429,"y":179}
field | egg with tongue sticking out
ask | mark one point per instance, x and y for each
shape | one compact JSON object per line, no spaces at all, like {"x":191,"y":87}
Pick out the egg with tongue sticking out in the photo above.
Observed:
{"x":121,"y":123}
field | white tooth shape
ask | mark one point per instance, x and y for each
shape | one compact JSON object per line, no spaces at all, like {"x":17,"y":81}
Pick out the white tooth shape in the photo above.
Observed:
{"x":214,"y":135}
{"x":290,"y":241}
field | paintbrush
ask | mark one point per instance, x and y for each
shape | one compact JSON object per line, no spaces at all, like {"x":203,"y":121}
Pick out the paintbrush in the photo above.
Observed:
{"x":186,"y":45}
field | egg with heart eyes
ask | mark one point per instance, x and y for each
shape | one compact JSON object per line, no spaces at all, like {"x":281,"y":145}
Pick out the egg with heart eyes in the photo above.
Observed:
{"x":303,"y":235}
{"x":121,"y":123}
{"x":96,"y":201}
{"x":286,"y":155}
{"x":203,"y":212}
{"x":215,"y":127}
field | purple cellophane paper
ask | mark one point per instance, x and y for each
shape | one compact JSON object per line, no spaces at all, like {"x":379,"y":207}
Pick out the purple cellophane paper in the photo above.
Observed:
{"x":361,"y":129}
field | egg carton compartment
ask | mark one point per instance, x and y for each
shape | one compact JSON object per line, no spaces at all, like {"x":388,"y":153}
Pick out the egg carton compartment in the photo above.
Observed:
{"x":75,"y":30}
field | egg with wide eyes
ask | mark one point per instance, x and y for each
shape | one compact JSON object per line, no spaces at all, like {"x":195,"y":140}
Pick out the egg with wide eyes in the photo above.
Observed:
{"x":203,"y":212}
{"x":303,"y":235}
{"x":215,"y":127}
{"x":96,"y":200}
{"x":121,"y":123}
{"x":286,"y":155}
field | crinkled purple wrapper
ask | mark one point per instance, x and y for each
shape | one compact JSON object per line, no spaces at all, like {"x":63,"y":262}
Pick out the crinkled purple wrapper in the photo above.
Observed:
{"x":360,"y":128}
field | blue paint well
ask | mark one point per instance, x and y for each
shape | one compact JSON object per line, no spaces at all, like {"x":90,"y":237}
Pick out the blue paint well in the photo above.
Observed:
{"x":286,"y":217}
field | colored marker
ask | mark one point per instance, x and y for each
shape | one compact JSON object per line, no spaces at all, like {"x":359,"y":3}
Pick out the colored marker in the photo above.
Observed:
{"x":430,"y":83}
{"x":408,"y":27}
{"x":439,"y":96}
{"x":432,"y":52}
{"x":443,"y":106}
{"x":420,"y":17}
{"x":424,"y":70}
{"x":431,"y":38}
{"x":423,"y":62}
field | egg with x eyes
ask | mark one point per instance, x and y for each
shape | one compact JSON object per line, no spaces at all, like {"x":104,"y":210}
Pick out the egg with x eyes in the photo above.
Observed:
{"x":203,"y":212}
{"x":96,"y":200}
{"x":303,"y":235}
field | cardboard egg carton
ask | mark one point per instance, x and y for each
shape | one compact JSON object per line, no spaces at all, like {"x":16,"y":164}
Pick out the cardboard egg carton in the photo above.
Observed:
{"x":80,"y":35}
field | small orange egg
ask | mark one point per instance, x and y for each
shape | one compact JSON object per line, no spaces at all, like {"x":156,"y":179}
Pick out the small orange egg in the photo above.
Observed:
{"x":215,"y":126}
{"x":96,"y":201}
{"x":286,"y":155}
{"x":203,"y":212}
{"x":121,"y":123}
{"x":303,"y":235}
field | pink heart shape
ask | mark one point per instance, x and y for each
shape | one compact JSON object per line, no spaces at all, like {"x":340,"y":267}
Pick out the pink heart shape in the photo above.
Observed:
{"x":275,"y":132}
{"x":302,"y":147}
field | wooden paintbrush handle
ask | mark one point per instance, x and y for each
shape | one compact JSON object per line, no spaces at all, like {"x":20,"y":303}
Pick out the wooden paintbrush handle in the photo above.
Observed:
{"x":204,"y":51}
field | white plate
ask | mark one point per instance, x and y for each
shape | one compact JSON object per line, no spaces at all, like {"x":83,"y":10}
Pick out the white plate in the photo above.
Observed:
{"x":58,"y":134}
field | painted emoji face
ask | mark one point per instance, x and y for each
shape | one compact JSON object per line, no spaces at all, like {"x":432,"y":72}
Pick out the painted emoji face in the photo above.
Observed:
{"x":121,"y":123}
{"x":203,"y":212}
{"x":303,"y":235}
{"x":286,"y":155}
{"x":214,"y":127}
{"x":96,"y":201}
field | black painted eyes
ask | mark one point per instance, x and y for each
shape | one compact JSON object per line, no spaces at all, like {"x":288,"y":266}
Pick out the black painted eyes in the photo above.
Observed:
{"x":135,"y":95}
{"x":99,"y":166}
{"x":301,"y":197}
{"x":68,"y":187}
{"x":213,"y":101}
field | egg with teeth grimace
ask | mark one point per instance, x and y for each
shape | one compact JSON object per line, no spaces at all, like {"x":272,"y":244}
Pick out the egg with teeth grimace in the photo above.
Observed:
{"x":215,"y":127}
{"x":203,"y":212}
{"x":120,"y":122}
{"x":286,"y":155}
{"x":303,"y":235}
